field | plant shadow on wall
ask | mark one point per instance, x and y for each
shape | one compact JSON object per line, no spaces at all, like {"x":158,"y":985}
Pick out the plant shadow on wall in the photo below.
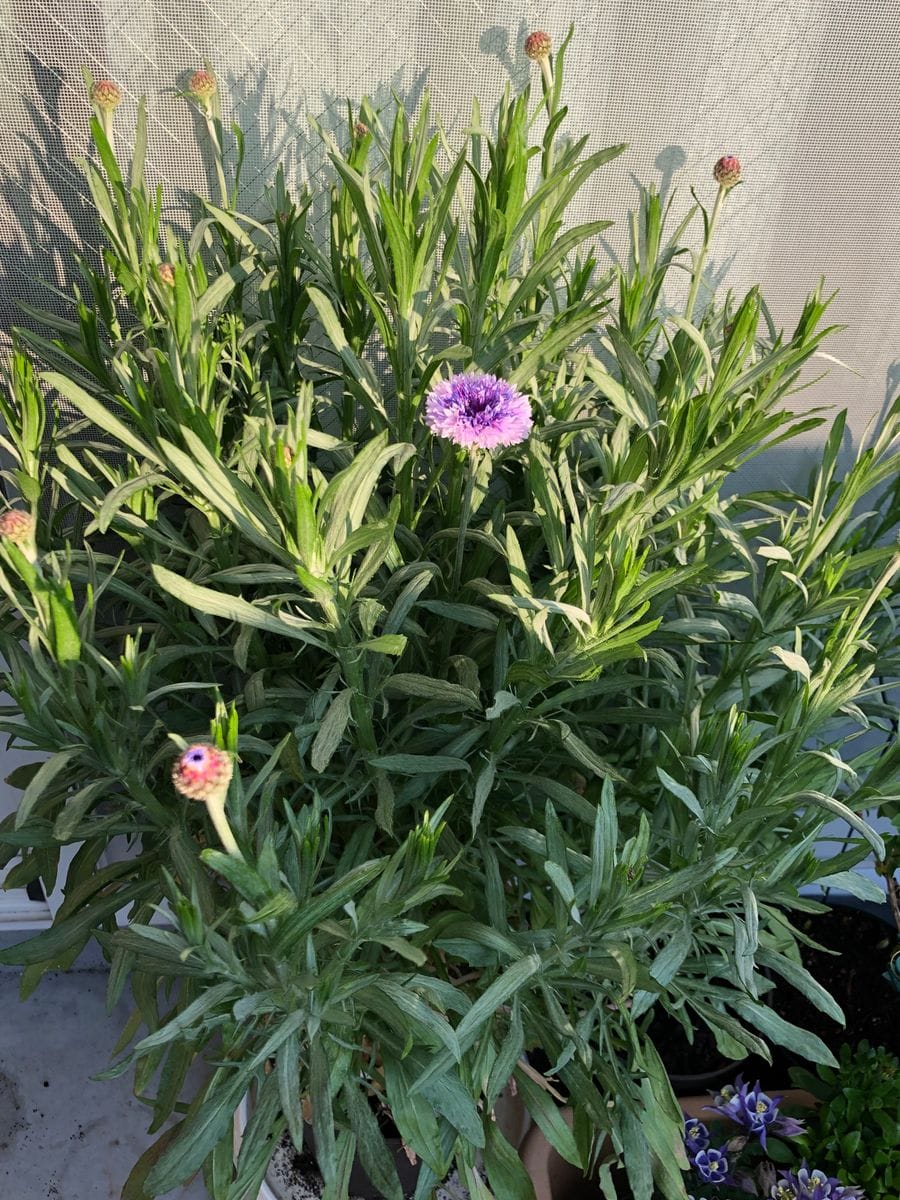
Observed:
{"x":461,"y":722}
{"x":48,"y":205}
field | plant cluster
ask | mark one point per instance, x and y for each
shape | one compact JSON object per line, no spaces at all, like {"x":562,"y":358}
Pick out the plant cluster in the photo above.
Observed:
{"x":856,"y":1124}
{"x":497,"y":723}
{"x":746,"y":1162}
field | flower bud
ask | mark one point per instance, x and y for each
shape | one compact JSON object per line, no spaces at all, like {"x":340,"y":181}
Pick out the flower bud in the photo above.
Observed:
{"x":727,"y":171}
{"x":106,"y":95}
{"x":202,"y":86}
{"x":538,"y":45}
{"x":202,"y":772}
{"x":360,"y":129}
{"x":17,"y":526}
{"x":166,"y":273}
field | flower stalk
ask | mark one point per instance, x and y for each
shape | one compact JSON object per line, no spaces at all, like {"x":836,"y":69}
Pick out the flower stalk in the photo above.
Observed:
{"x":204,"y":773}
{"x":727,"y":173}
{"x":203,"y":89}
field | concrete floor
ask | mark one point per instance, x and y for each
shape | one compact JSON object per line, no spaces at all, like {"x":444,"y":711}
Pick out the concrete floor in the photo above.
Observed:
{"x":63,"y":1137}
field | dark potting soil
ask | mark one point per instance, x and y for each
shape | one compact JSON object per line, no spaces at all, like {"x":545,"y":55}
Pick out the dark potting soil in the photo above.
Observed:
{"x":686,"y":1060}
{"x":856,"y":980}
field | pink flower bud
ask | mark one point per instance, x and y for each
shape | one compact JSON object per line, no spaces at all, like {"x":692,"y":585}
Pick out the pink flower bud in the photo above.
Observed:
{"x":17,"y":526}
{"x":727,"y":171}
{"x":202,"y":772}
{"x":166,"y":273}
{"x":106,"y":95}
{"x":203,"y":86}
{"x":538,"y":45}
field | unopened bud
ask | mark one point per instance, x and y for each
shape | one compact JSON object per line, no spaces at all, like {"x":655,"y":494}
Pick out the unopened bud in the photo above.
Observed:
{"x":17,"y":526}
{"x":202,"y":86}
{"x":360,"y":129}
{"x":106,"y":95}
{"x":727,"y":171}
{"x":538,"y":45}
{"x":166,"y":273}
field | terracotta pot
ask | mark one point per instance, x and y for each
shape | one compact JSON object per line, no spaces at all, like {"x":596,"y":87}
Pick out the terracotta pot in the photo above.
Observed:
{"x":555,"y":1179}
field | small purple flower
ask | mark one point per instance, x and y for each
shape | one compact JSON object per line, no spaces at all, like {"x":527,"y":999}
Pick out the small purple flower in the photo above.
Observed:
{"x":809,"y":1184}
{"x":696,"y":1137}
{"x":711,"y":1165}
{"x":478,"y":410}
{"x":754,"y":1111}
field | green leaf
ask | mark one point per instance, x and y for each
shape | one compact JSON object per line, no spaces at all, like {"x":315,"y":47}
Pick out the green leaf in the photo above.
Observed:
{"x":135,"y":1188}
{"x":98,"y":414}
{"x":846,"y":814}
{"x":801,"y":1041}
{"x":42,"y":780}
{"x":187,"y":1018}
{"x":377,"y":1162}
{"x":583,"y":754}
{"x":799,"y":978}
{"x":499,"y":992}
{"x":419,"y":764}
{"x":425,"y":688}
{"x":410,"y":1004}
{"x":483,"y":785}
{"x":302,"y":922}
{"x":232,"y":608}
{"x":684,"y":794}
{"x":388,"y":643}
{"x":857,"y":885}
{"x":49,"y":946}
{"x":66,"y":638}
{"x":462,"y":614}
{"x":219,"y":291}
{"x":344,"y":1157}
{"x":548,"y":1117}
{"x":508,"y":1178}
{"x":322,"y":1118}
{"x":331,"y":731}
{"x":260,"y":1138}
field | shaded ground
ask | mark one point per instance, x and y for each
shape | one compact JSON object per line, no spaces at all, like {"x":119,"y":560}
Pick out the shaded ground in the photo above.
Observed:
{"x":63,"y":1137}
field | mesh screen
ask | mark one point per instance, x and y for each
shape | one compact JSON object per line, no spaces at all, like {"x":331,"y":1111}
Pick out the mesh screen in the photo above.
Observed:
{"x":800,"y":91}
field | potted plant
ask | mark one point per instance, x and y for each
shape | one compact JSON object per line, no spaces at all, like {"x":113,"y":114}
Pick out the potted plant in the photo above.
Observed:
{"x":458,"y":720}
{"x":739,"y":1141}
{"x":855,"y":1126}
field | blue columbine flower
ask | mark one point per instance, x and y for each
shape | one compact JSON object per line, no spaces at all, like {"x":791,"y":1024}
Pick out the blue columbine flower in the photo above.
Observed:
{"x":711,"y":1165}
{"x":478,"y":410}
{"x":808,"y":1184}
{"x":755,"y":1111}
{"x":696,"y":1136}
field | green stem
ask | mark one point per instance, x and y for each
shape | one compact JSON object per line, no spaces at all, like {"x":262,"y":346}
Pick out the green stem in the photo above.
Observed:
{"x":106,"y":120}
{"x":701,"y":257}
{"x":215,"y":806}
{"x":547,"y":79}
{"x":465,"y":515}
{"x":213,"y":128}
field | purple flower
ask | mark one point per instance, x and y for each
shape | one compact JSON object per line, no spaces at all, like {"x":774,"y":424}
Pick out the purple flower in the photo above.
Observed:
{"x":754,"y":1111}
{"x":711,"y":1165}
{"x":696,"y":1137}
{"x":813,"y":1185}
{"x":478,"y":410}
